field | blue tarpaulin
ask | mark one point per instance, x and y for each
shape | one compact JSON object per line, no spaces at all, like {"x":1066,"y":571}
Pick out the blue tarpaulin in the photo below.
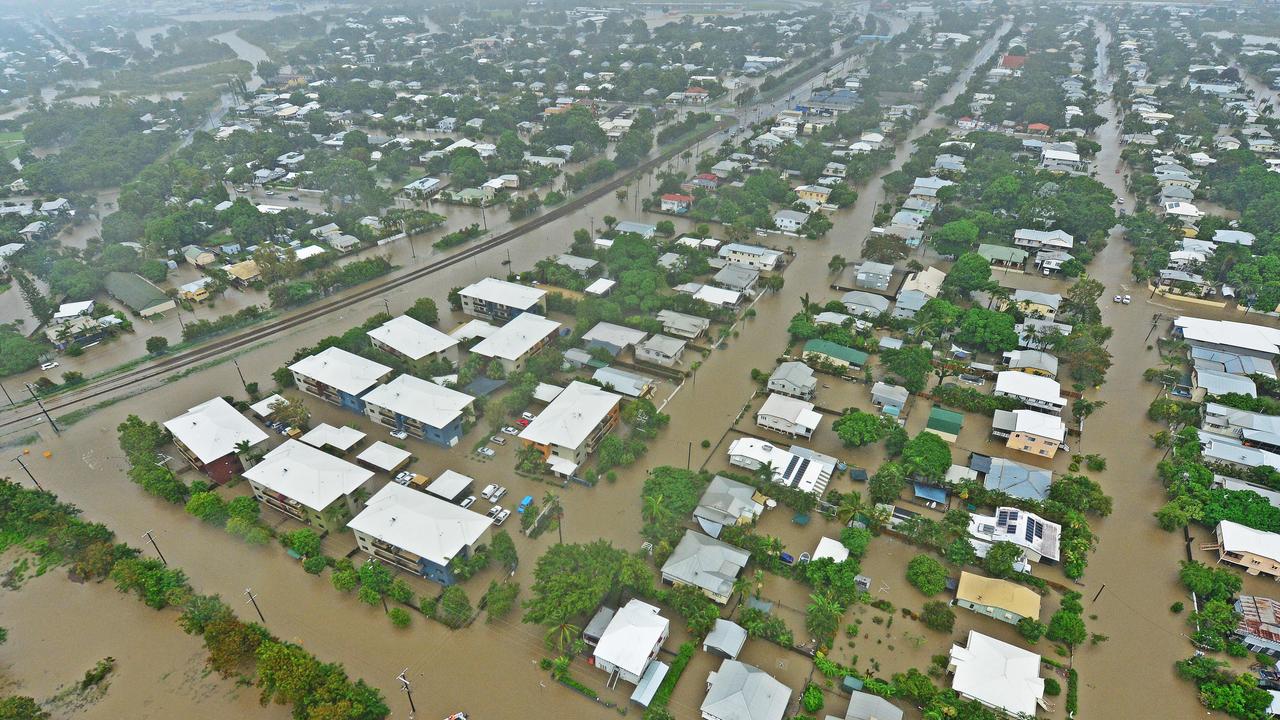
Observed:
{"x":931,"y":493}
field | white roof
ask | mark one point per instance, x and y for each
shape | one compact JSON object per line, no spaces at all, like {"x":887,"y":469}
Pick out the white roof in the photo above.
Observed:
{"x":600,"y":286}
{"x":571,"y":417}
{"x":789,"y":466}
{"x":1024,"y":529}
{"x":212,"y":429}
{"x":450,"y":484}
{"x":72,"y":309}
{"x":1038,"y":423}
{"x":1030,"y":386}
{"x":833,"y":549}
{"x":513,"y":340}
{"x":420,"y":523}
{"x":431,"y":404}
{"x":997,"y":674}
{"x":505,"y":293}
{"x":343,"y":438}
{"x":618,"y":336}
{"x":717,"y":296}
{"x":306,"y":475}
{"x":262,"y":408}
{"x":631,"y":636}
{"x":1232,"y":334}
{"x":411,"y":338}
{"x":340,"y":369}
{"x":793,"y":410}
{"x":1056,"y":238}
{"x":1242,"y":538}
{"x":472,"y":329}
{"x":383,"y":456}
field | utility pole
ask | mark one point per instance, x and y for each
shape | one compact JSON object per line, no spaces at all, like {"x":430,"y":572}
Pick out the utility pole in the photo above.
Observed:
{"x":387,"y":305}
{"x":6,"y":395}
{"x":152,"y":538}
{"x":28,"y":472}
{"x":240,"y":372}
{"x":483,"y":220}
{"x":253,"y":599}
{"x":688,"y":458}
{"x":31,"y":389}
{"x":408,"y":691}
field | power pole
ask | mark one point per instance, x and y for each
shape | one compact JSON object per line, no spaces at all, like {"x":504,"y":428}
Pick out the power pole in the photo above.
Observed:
{"x":408,"y":691}
{"x":151,"y":537}
{"x":387,"y":305}
{"x":31,"y":389}
{"x":28,"y":471}
{"x":253,"y":599}
{"x":6,"y":395}
{"x":240,"y":372}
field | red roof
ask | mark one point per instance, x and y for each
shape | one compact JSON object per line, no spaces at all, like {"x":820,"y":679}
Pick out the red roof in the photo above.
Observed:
{"x":1039,"y":126}
{"x":706,"y":176}
{"x":1013,"y":62}
{"x":695,"y":90}
{"x":675,"y":197}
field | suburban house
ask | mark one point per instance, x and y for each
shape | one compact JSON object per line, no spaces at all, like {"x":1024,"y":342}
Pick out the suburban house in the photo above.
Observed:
{"x":865,"y":706}
{"x":829,"y":353}
{"x":738,"y":691}
{"x":889,"y":398}
{"x":1037,"y":537}
{"x":495,"y":299}
{"x":612,"y":337}
{"x":661,"y":350}
{"x":1235,"y":337}
{"x":815,"y":194}
{"x":944,"y":423}
{"x":137,"y":293}
{"x":705,"y":563}
{"x":209,"y":436}
{"x":514,"y":343}
{"x":752,"y":256}
{"x":796,"y":467}
{"x":725,"y":639}
{"x":631,"y":641}
{"x":418,"y":532}
{"x":308,"y":484}
{"x":1036,"y":304}
{"x":676,"y":203}
{"x":736,"y":277}
{"x":789,"y":416}
{"x":1034,"y":391}
{"x":644,"y":230}
{"x":423,"y":409}
{"x":1259,"y":627}
{"x":1035,"y":362}
{"x":1259,"y":430}
{"x":569,"y":429}
{"x":1257,"y":551}
{"x":865,"y":304}
{"x":1006,"y":476}
{"x":727,"y":502}
{"x":874,"y":275}
{"x":339,"y":377}
{"x":794,"y":379}
{"x":1003,"y":256}
{"x":1037,"y":239}
{"x":420,"y":345}
{"x":1000,"y":599}
{"x":689,"y":327}
{"x":1029,"y":431}
{"x":999,"y":675}
{"x":790,"y":220}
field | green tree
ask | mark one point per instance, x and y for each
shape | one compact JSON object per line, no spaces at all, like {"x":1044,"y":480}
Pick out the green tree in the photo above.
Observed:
{"x":208,"y":506}
{"x":1031,"y":629}
{"x":927,"y":575}
{"x":927,"y":455}
{"x":955,"y":237}
{"x":987,"y":330}
{"x":1067,"y":628}
{"x":21,"y":707}
{"x":1000,"y":559}
{"x":424,"y":311}
{"x":938,"y":615}
{"x":911,"y":365}
{"x":305,"y":542}
{"x":857,"y":428}
{"x":887,"y":482}
{"x":970,"y":273}
{"x":157,"y":344}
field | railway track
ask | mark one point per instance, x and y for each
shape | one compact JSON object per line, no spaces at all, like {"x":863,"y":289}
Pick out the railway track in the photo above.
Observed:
{"x":223,"y":346}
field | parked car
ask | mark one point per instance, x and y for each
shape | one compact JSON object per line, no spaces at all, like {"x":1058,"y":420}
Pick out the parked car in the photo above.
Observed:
{"x":486,"y":451}
{"x":1118,"y":298}
{"x":510,"y":430}
{"x":399,"y":434}
{"x":522,"y":422}
{"x":498,"y":440}
{"x":524,"y":504}
{"x":498,"y":494}
{"x":502,"y":517}
{"x":293,"y":198}
{"x":269,"y":192}
{"x":527,"y":416}
{"x":49,"y":365}
{"x":972,"y":379}
{"x":786,"y":558}
{"x":468,"y":501}
{"x":488,"y":491}
{"x":403,"y":478}
{"x":493,"y":512}
{"x":1127,"y":299}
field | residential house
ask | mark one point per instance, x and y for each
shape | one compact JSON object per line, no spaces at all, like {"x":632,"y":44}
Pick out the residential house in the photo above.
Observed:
{"x":339,"y":377}
{"x":1034,"y":391}
{"x":1256,"y":429}
{"x":309,"y":484}
{"x":423,"y":409}
{"x":1037,"y":304}
{"x":790,"y":221}
{"x":1031,"y":432}
{"x":520,"y":339}
{"x":1038,"y":239}
{"x":1000,"y":599}
{"x":889,"y":398}
{"x":212,"y":435}
{"x":999,"y":675}
{"x":644,"y":230}
{"x":1011,"y":478}
{"x":865,"y":304}
{"x":418,"y":344}
{"x":1037,"y":537}
{"x":725,"y":639}
{"x":621,"y":381}
{"x":815,"y":194}
{"x":572,"y":425}
{"x":495,"y":299}
{"x":678,"y":324}
{"x":1003,"y":256}
{"x":418,"y":532}
{"x":726,"y":503}
{"x":582,"y":266}
{"x":661,"y":350}
{"x":631,"y":641}
{"x":738,"y":691}
{"x":612,"y":337}
{"x":796,"y":467}
{"x":908,"y":304}
{"x":789,"y":416}
{"x":738,"y":278}
{"x":1259,"y":627}
{"x":1237,"y":337}
{"x":793,"y":379}
{"x":1035,"y":362}
{"x":752,"y":256}
{"x":137,"y":293}
{"x":944,"y":423}
{"x":705,"y":563}
{"x":676,"y":203}
{"x":828,"y":353}
{"x":865,"y":706}
{"x":874,"y":275}
{"x":1257,"y":551}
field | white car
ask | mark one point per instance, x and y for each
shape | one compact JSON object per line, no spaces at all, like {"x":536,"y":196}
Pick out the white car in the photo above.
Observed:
{"x":399,"y":434}
{"x":49,"y":365}
{"x":502,"y":517}
{"x":403,"y":478}
{"x":468,"y":501}
{"x":493,"y":512}
{"x":488,"y":491}
{"x":510,"y":430}
{"x":1127,"y":299}
{"x":1117,"y":299}
{"x":498,"y":440}
{"x":269,"y":192}
{"x":497,"y":494}
{"x":527,"y":416}
{"x":486,"y":451}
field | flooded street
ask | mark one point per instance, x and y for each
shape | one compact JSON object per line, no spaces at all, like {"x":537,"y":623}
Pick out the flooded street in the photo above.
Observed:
{"x":490,"y":670}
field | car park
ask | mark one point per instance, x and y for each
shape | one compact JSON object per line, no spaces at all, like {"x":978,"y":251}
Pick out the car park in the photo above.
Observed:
{"x":468,"y":501}
{"x":502,"y":517}
{"x":486,"y":451}
{"x":488,"y":491}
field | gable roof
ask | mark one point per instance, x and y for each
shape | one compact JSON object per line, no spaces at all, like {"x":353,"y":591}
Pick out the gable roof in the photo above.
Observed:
{"x":1002,"y":594}
{"x":431,"y":404}
{"x":212,"y":430}
{"x":738,"y":691}
{"x":705,"y":563}
{"x":997,"y":674}
{"x":631,"y":635}
{"x":413,"y":339}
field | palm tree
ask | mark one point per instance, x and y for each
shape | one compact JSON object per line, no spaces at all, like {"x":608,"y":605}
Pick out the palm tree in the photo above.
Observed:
{"x":655,"y":509}
{"x":849,"y":508}
{"x":561,"y":636}
{"x":804,"y":304}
